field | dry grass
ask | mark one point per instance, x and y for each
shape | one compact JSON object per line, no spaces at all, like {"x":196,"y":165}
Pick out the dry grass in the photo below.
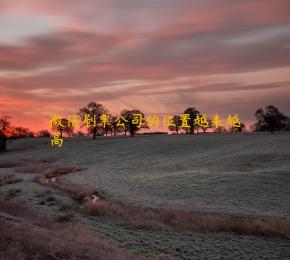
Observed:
{"x":145,"y":218}
{"x":66,"y":217}
{"x":19,"y":208}
{"x":49,"y":172}
{"x":66,"y":206}
{"x":26,"y":234}
{"x":24,"y":165}
{"x":31,"y":167}
{"x":46,"y":169}
{"x":140,"y":217}
{"x":8,"y":163}
{"x":11,"y":193}
{"x":9,"y":179}
{"x":77,"y":192}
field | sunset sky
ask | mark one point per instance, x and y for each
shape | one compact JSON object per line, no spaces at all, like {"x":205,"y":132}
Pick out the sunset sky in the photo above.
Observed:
{"x":160,"y":56}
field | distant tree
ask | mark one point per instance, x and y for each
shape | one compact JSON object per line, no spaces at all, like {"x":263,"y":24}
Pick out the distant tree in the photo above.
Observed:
{"x":125,"y":125}
{"x":43,"y":133}
{"x":64,"y":126}
{"x":252,"y":128}
{"x":108,"y":126}
{"x":210,"y":125}
{"x":107,"y":129}
{"x":220,"y":129}
{"x":80,"y":133}
{"x":238,"y":129}
{"x":270,"y":119}
{"x":287,"y":126}
{"x":192,"y":115}
{"x":92,"y":110}
{"x":5,"y":128}
{"x":177,"y":124}
{"x":115,"y":128}
{"x":129,"y":124}
{"x":69,"y":129}
{"x":103,"y":128}
{"x":21,"y":132}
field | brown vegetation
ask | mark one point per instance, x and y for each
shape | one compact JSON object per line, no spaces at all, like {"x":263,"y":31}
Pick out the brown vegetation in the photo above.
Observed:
{"x":147,"y":218}
{"x":9,"y":179}
{"x":140,"y":217}
{"x":27,"y":234}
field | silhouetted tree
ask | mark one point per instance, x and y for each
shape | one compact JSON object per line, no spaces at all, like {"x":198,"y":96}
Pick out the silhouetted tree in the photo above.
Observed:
{"x":21,"y":132}
{"x":129,"y":125}
{"x":125,"y":126}
{"x":238,"y":129}
{"x":64,"y":126}
{"x":69,"y":129}
{"x":192,"y":115}
{"x":80,"y":133}
{"x":93,"y":109}
{"x":176,"y":120}
{"x":204,"y":128}
{"x":270,"y":119}
{"x":115,"y":128}
{"x":43,"y":133}
{"x":287,"y":127}
{"x":4,"y":131}
{"x":107,"y":128}
{"x":220,"y":129}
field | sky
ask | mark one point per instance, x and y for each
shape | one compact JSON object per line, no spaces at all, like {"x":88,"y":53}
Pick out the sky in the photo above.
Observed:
{"x":159,"y":56}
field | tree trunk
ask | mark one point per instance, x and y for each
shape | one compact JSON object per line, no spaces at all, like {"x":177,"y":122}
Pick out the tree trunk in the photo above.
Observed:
{"x":191,"y":130}
{"x":2,"y":143}
{"x":94,"y":133}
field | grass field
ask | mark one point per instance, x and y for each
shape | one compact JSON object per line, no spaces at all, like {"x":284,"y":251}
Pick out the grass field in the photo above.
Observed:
{"x":215,"y":178}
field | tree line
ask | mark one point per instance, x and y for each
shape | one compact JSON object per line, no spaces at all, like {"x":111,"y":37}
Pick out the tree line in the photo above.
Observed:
{"x":113,"y":128}
{"x":268,"y":119}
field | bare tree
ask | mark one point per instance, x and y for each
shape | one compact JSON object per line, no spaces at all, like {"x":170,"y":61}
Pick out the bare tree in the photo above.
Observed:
{"x":287,"y":127}
{"x":43,"y":133}
{"x":4,"y":130}
{"x":220,"y":129}
{"x":210,"y":125}
{"x":92,"y":112}
{"x":240,"y":129}
{"x":270,"y":119}
{"x":80,"y":133}
{"x":192,"y":115}
{"x":21,"y":132}
{"x":63,"y":126}
{"x":115,"y":128}
{"x":131,"y":122}
{"x":177,"y":124}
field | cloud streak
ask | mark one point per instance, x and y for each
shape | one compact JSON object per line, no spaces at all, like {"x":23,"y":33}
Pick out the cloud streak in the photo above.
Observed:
{"x":118,"y":53}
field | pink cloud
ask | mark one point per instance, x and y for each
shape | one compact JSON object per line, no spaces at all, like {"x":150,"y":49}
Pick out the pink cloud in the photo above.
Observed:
{"x":98,"y":44}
